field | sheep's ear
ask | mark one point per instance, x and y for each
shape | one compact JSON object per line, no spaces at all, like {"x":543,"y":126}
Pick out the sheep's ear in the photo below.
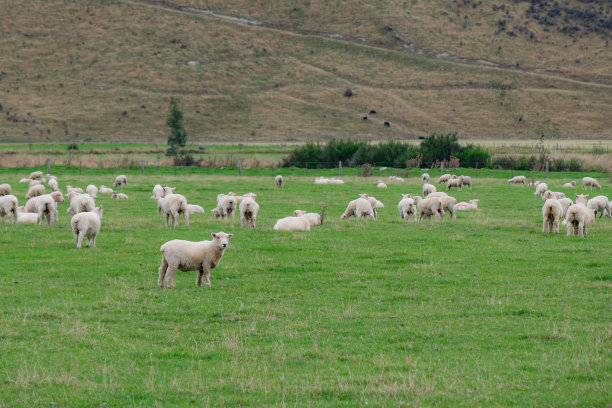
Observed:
{"x":229,"y":236}
{"x":213,"y":235}
{"x":575,"y":195}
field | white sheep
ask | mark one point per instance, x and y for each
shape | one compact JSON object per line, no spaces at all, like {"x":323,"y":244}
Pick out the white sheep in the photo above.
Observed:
{"x":540,"y":190}
{"x":8,"y":207}
{"x":396,"y":178}
{"x":226,"y":206}
{"x":105,"y":190}
{"x":552,"y":194}
{"x":428,"y":189}
{"x":46,"y":207}
{"x":248,"y":211}
{"x":52,"y":183}
{"x":35,"y":182}
{"x":159,"y":191}
{"x":5,"y":189}
{"x":467,"y":181}
{"x":92,"y":191}
{"x":425,"y":178}
{"x":119,"y":196}
{"x":36,"y":175}
{"x":30,"y":205}
{"x":437,"y":194}
{"x":455,"y":182}
{"x":194,"y":209}
{"x":322,"y":180}
{"x":571,"y":184}
{"x":80,"y":203}
{"x":120,"y":180}
{"x":35,"y":191}
{"x":191,"y":256}
{"x":517,"y":180}
{"x":444,"y":178}
{"x":381,"y":184}
{"x":295,"y":224}
{"x":600,"y":203}
{"x":533,"y":183}
{"x":565,"y":203}
{"x":429,"y":207}
{"x":407,"y":207}
{"x":463,"y":206}
{"x":70,"y":189}
{"x":278,"y":180}
{"x":448,"y":205}
{"x":24,"y":180}
{"x":86,"y":225}
{"x":375,"y":204}
{"x":27,"y":218}
{"x":313,"y":218}
{"x":173,"y":205}
{"x":551,"y":215}
{"x":590,"y":181}
{"x":578,"y":216}
{"x":334,"y":180}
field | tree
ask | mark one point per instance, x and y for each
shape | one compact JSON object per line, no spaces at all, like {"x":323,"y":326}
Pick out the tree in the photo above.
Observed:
{"x":178,"y":135}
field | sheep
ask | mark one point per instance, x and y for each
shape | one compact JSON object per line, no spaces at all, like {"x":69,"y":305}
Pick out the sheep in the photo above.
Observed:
{"x":540,"y":190}
{"x":248,"y":211}
{"x":226,"y":206}
{"x":194,"y":209}
{"x":429,"y":207}
{"x":352,"y":205}
{"x":381,"y":184}
{"x":322,"y":180}
{"x":334,"y":180}
{"x":551,"y":215}
{"x":5,"y":189}
{"x":589,"y":181}
{"x":35,"y":191}
{"x":396,"y":178}
{"x":35,"y":182}
{"x":565,"y":203}
{"x":533,"y":183}
{"x":52,"y":182}
{"x":81,"y":203}
{"x":105,"y":190}
{"x":92,"y":191}
{"x":455,"y":182}
{"x":295,"y":224}
{"x":425,"y":178}
{"x":174,"y":205}
{"x":428,"y":189}
{"x":517,"y":180}
{"x":313,"y":218}
{"x":24,"y":180}
{"x":578,"y":216}
{"x":448,"y":205}
{"x":120,"y":180}
{"x":27,"y":218}
{"x":159,"y":191}
{"x":467,"y":181}
{"x":86,"y":225}
{"x":36,"y":175}
{"x":571,"y":184}
{"x":278,"y":180}
{"x":463,"y":206}
{"x":552,"y":194}
{"x":406,"y":207}
{"x":601,"y":204}
{"x":70,"y":189}
{"x":8,"y":207}
{"x":46,"y":207}
{"x":119,"y":196}
{"x":30,"y":205}
{"x":437,"y":194}
{"x":189,"y":256}
{"x":444,"y":178}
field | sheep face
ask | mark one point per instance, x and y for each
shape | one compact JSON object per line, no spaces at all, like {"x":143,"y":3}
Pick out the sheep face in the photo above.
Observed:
{"x":581,"y":198}
{"x":221,"y":239}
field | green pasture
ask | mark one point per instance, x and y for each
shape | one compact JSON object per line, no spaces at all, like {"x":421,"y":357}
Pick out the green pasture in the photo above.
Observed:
{"x":484,"y":310}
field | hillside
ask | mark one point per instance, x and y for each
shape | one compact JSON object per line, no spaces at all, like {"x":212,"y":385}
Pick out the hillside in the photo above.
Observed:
{"x":102,"y":71}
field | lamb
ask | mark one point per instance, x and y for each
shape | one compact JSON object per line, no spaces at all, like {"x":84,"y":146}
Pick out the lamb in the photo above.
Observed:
{"x":8,"y":207}
{"x":226,"y":206}
{"x":589,"y":181}
{"x":248,"y":211}
{"x":428,"y":189}
{"x":463,"y":206}
{"x":295,"y":224}
{"x":5,"y":189}
{"x":53,"y":184}
{"x":578,"y":216}
{"x":46,"y":207}
{"x":455,"y":182}
{"x":322,"y":180}
{"x":381,"y":184}
{"x":313,"y":218}
{"x":174,"y":205}
{"x":105,"y":190}
{"x":429,"y":207}
{"x":194,"y":209}
{"x":571,"y":184}
{"x":35,"y":191}
{"x":551,"y":215}
{"x":159,"y":191}
{"x":189,"y":256}
{"x":540,"y":190}
{"x":70,"y":189}
{"x":448,"y":205}
{"x":364,"y":210}
{"x":278,"y":180}
{"x":406,"y":207}
{"x":86,"y":225}
{"x":120,"y":180}
{"x":36,"y":175}
{"x":92,"y":191}
{"x":517,"y":180}
{"x":425,"y":178}
{"x":467,"y":181}
{"x":601,"y":204}
{"x":81,"y":203}
{"x":119,"y":196}
{"x":27,"y":218}
{"x":444,"y":178}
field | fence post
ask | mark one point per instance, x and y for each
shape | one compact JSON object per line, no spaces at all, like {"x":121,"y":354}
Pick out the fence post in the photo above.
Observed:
{"x":546,"y":169}
{"x":442,"y":169}
{"x":240,"y":167}
{"x":48,"y":166}
{"x":80,"y":167}
{"x":142,"y":167}
{"x":476,"y":169}
{"x":340,"y":168}
{"x":306,"y":168}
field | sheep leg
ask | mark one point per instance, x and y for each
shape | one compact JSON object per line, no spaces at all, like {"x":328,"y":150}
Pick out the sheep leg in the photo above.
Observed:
{"x":206,"y":276}
{"x":452,"y":213}
{"x":584,"y":230}
{"x":80,"y":239}
{"x":167,"y":218}
{"x":568,"y":227}
{"x":170,"y":274}
{"x":556,"y":226}
{"x":93,"y":240}
{"x":40,"y":219}
{"x":200,"y":275}
{"x":175,"y":219}
{"x":162,"y":272}
{"x":186,"y":216}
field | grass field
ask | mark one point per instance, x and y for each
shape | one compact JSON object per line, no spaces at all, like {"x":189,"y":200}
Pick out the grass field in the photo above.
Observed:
{"x":484,"y":310}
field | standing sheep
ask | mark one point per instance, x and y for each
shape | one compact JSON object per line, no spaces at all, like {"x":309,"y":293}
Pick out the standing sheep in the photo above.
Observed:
{"x":92,"y":191}
{"x":86,"y":225}
{"x":590,"y":181}
{"x":5,"y":189}
{"x":30,"y":205}
{"x":551,"y":215}
{"x":448,"y":205}
{"x":248,"y":211}
{"x":428,"y":189}
{"x":429,"y":207}
{"x":191,"y":256}
{"x":35,"y":191}
{"x":517,"y":180}
{"x":8,"y":207}
{"x":52,"y":183}
{"x":46,"y":207}
{"x":120,"y":180}
{"x":278,"y":180}
{"x":601,"y":204}
{"x":444,"y":178}
{"x":406,"y":207}
{"x":455,"y":182}
{"x":467,"y":181}
{"x":226,"y":206}
{"x":540,"y":190}
{"x":425,"y":178}
{"x":578,"y":216}
{"x":172,"y":206}
{"x":81,"y":203}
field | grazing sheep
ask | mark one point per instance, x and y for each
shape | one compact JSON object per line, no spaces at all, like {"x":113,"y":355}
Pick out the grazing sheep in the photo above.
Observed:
{"x":92,"y":191}
{"x":8,"y":207}
{"x":437,"y":194}
{"x":425,"y":178}
{"x":70,"y":189}
{"x":35,"y":191}
{"x":46,"y":207}
{"x":191,"y":256}
{"x":551,"y":215}
{"x":571,"y":184}
{"x":313,"y":218}
{"x":351,"y":209}
{"x":35,"y":182}
{"x":173,"y":205}
{"x":540,"y":190}
{"x":5,"y":189}
{"x":448,"y":205}
{"x":248,"y":211}
{"x":467,"y":181}
{"x":455,"y":182}
{"x":601,"y":204}
{"x":517,"y":180}
{"x":381,"y":184}
{"x":463,"y":206}
{"x":429,"y":207}
{"x":590,"y":181}
{"x":444,"y":178}
{"x":406,"y":207}
{"x":278,"y":180}
{"x":120,"y":180}
{"x":194,"y":209}
{"x":27,"y":218}
{"x":81,"y":203}
{"x":322,"y":180}
{"x":119,"y":196}
{"x":53,"y":184}
{"x":105,"y":190}
{"x":226,"y":206}
{"x":86,"y":225}
{"x":36,"y":175}
{"x":295,"y":224}
{"x":30,"y":205}
{"x":578,"y":216}
{"x":428,"y":189}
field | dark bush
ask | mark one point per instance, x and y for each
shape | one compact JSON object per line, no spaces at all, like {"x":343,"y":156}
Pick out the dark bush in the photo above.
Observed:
{"x":73,"y":146}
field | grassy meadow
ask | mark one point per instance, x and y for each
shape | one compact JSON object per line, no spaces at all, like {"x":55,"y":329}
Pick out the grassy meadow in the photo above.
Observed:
{"x":483,"y":310}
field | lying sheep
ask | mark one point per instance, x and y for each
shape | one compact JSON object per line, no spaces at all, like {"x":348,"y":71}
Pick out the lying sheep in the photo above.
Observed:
{"x":92,"y":191}
{"x":437,"y":194}
{"x":571,"y":184}
{"x":406,"y":207}
{"x":601,"y":204}
{"x":278,"y":180}
{"x":27,"y":218}
{"x":322,"y":180}
{"x":191,"y":256}
{"x":5,"y":189}
{"x":467,"y":181}
{"x":105,"y":190}
{"x":444,"y":178}
{"x":81,"y":203}
{"x":448,"y":205}
{"x":295,"y":224}
{"x":24,"y":180}
{"x":455,"y":182}
{"x":86,"y":225}
{"x":313,"y":218}
{"x":70,"y":189}
{"x":428,"y":189}
{"x":194,"y":209}
{"x":226,"y":206}
{"x":248,"y":211}
{"x":8,"y":207}
{"x":425,"y":178}
{"x":540,"y":190}
{"x":429,"y":207}
{"x":52,"y":183}
{"x":334,"y":180}
{"x":551,"y":215}
{"x":381,"y":184}
{"x":119,"y":196}
{"x":590,"y":181}
{"x":463,"y":206}
{"x":578,"y":216}
{"x":173,"y":205}
{"x":36,"y":175}
{"x":517,"y":180}
{"x":396,"y":178}
{"x":120,"y":180}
